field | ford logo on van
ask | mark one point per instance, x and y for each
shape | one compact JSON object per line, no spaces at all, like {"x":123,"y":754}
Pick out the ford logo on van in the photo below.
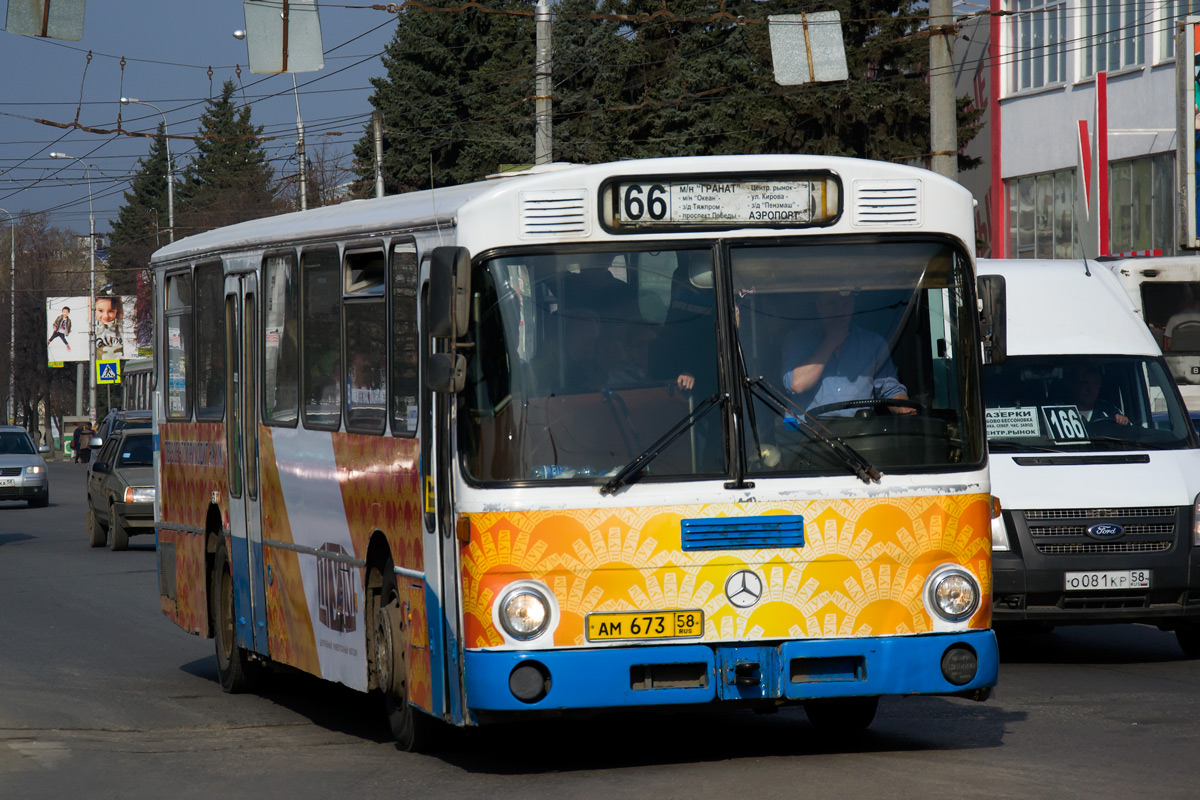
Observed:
{"x":1105,"y":530}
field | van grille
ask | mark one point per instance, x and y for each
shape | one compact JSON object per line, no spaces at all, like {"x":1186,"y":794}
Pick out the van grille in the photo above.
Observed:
{"x":1082,"y":513}
{"x":1102,"y":547}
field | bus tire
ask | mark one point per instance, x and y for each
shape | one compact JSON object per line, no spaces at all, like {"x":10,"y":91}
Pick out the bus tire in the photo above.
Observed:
{"x":414,"y":730}
{"x":118,"y":533}
{"x":236,"y":672}
{"x":1188,"y":636}
{"x":98,"y":534}
{"x":841,"y":716}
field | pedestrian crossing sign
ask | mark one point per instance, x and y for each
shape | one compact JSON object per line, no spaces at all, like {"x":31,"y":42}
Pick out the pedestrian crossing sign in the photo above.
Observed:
{"x":108,"y":371}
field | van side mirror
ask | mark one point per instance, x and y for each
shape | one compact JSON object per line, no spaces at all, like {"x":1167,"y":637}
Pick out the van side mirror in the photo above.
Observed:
{"x":993,"y":318}
{"x":449,"y":292}
{"x":449,"y":311}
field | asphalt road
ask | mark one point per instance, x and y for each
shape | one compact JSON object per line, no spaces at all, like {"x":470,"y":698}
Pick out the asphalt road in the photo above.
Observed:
{"x":101,"y":696}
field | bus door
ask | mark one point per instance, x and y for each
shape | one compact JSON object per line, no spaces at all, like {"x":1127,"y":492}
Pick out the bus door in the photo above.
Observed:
{"x":241,"y":448}
{"x":440,"y":542}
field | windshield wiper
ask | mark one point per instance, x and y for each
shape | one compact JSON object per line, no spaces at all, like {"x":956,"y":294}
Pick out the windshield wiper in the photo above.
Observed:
{"x":630,"y":471}
{"x":1130,"y":444}
{"x":853,"y":459}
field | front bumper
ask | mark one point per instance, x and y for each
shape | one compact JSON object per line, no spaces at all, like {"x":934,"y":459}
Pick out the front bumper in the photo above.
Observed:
{"x":24,"y":487}
{"x":137,"y":517}
{"x":792,"y":671}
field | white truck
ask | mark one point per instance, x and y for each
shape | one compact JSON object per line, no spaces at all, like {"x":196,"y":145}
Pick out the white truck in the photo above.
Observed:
{"x":1095,"y":465}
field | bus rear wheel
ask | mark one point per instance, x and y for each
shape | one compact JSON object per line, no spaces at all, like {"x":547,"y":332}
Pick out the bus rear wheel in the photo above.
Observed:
{"x":413,"y":730}
{"x":842,"y":716}
{"x":237,"y":673}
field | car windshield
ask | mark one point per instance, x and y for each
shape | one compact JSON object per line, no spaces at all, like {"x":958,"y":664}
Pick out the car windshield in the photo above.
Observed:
{"x":582,"y":361}
{"x":136,"y":451}
{"x":16,"y":443}
{"x":1083,"y":403}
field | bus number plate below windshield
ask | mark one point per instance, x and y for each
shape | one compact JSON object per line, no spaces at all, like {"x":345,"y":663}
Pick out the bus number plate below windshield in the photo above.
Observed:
{"x":645,"y":625}
{"x":725,"y":203}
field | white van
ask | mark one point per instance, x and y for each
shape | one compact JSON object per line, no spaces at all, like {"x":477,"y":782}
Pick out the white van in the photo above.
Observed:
{"x":1094,"y":462}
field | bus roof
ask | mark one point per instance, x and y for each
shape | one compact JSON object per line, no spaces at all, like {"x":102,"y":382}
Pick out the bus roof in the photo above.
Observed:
{"x":1056,"y":306}
{"x":428,"y":209}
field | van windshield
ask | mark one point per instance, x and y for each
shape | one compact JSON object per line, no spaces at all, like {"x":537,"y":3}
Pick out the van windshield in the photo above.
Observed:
{"x":1083,"y":403}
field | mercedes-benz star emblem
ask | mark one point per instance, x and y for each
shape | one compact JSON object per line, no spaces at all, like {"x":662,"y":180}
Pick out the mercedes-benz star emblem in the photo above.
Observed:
{"x":744,"y":588}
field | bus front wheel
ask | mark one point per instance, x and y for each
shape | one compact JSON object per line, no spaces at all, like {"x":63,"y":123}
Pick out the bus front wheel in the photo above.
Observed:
{"x":841,"y":716}
{"x":236,"y":671}
{"x":413,"y":730}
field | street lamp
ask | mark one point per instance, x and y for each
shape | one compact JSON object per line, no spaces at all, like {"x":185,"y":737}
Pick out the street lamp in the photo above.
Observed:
{"x":170,"y":164}
{"x":12,"y":307}
{"x":240,"y":34}
{"x":92,"y":298}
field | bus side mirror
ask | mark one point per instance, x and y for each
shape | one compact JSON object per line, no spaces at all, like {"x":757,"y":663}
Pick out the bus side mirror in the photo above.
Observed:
{"x":446,"y":372}
{"x":449,"y":309}
{"x":449,"y":292}
{"x":993,"y":318}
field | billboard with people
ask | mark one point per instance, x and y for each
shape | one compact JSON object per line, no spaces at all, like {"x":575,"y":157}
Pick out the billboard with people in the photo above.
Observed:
{"x":68,"y":320}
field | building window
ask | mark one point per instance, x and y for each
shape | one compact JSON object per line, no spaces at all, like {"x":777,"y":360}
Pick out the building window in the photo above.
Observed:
{"x":1038,"y":34}
{"x":1040,"y":215}
{"x":1172,"y":13}
{"x":1116,"y":33}
{"x":1141,"y":200}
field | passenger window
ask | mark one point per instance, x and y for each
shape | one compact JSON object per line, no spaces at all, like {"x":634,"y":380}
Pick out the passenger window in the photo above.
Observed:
{"x":178,"y":343}
{"x":405,"y":345}
{"x":281,"y":340}
{"x":366,"y":343}
{"x":322,"y":353}
{"x":210,"y":341}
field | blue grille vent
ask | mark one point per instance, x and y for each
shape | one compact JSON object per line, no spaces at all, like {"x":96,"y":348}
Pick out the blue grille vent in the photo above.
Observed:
{"x":743,"y":533}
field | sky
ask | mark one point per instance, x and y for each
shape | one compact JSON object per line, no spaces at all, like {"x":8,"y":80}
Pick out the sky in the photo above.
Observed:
{"x":168,"y":48}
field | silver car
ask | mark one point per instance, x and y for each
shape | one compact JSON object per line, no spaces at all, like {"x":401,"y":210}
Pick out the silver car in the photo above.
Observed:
{"x":22,"y":468}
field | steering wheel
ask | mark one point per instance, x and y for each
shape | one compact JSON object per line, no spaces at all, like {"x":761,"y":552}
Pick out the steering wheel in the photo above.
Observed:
{"x":866,"y":403}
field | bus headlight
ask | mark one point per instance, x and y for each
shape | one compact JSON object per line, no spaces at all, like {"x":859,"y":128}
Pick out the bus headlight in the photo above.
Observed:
{"x":999,"y":530}
{"x":524,"y":612}
{"x":952,"y":593}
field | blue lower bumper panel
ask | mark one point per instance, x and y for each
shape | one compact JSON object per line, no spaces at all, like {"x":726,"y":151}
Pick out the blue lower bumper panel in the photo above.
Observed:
{"x":696,"y":673}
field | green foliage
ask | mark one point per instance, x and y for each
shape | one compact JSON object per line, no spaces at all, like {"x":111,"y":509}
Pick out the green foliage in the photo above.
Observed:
{"x":683,"y":79}
{"x":228,"y":180}
{"x":142,"y":223}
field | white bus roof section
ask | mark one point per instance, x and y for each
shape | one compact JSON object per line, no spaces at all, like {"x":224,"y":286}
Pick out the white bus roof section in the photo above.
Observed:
{"x":877,"y":197}
{"x":1053,"y":306}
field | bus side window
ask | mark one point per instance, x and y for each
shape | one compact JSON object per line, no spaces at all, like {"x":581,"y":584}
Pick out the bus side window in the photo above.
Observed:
{"x":178,"y":315}
{"x":366,"y":343}
{"x":405,"y":344}
{"x":321,"y":297}
{"x":210,"y":341}
{"x":281,"y":340}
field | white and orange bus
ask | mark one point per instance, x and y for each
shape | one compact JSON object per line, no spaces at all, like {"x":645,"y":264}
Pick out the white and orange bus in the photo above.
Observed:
{"x":539,"y":444}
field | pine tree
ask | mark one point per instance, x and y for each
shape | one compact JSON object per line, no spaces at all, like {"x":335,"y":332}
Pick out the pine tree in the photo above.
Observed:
{"x":457,"y":99}
{"x":229,"y":179}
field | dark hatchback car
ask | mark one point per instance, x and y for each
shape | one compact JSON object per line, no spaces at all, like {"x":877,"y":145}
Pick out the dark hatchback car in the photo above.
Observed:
{"x":116,"y":421}
{"x":120,"y":489}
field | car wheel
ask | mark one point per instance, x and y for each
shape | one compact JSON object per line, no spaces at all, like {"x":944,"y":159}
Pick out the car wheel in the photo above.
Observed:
{"x":41,"y":501}
{"x":234,"y":668}
{"x":99,"y":535}
{"x":119,"y":533}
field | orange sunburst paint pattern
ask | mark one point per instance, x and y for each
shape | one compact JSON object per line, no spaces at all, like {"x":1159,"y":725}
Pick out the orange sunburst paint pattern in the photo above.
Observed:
{"x":860,"y":572}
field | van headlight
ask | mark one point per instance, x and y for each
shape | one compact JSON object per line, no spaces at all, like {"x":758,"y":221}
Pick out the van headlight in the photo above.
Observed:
{"x":952,"y":593}
{"x":524,"y":612}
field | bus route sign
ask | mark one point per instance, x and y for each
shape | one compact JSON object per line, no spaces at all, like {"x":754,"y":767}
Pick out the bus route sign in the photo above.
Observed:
{"x":774,"y":202}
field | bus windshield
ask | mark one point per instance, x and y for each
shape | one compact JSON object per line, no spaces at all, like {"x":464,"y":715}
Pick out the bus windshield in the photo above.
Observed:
{"x":584,"y":360}
{"x":1083,"y":404}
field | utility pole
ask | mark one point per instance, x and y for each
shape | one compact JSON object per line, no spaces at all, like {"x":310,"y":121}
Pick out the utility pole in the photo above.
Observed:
{"x":544,"y":137}
{"x":943,"y":118}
